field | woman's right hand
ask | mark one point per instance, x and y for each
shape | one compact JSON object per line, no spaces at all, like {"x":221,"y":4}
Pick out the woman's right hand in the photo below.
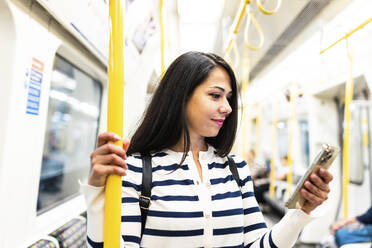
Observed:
{"x":107,"y":159}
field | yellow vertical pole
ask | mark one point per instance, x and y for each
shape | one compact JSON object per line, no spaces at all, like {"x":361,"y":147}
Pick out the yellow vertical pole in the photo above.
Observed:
{"x":243,"y":140}
{"x":291,"y":126}
{"x":347,"y":117}
{"x":274,"y":149}
{"x":162,"y":38}
{"x":249,"y":130}
{"x":258,"y":128}
{"x":364,"y":129}
{"x":244,"y":93}
{"x":112,"y":215}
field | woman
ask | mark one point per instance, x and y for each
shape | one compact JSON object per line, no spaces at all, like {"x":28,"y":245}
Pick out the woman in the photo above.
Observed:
{"x":189,"y":128}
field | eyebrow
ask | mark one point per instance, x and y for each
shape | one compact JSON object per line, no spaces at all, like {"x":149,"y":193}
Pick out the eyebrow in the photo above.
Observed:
{"x":220,"y":88}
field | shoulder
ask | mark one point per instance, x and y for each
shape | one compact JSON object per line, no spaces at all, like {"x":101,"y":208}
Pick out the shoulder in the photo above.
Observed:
{"x":135,"y":161}
{"x":239,"y":161}
{"x":241,"y":164}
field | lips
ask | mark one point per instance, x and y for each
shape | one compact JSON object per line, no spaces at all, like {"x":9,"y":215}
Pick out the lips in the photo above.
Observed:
{"x":219,"y":121}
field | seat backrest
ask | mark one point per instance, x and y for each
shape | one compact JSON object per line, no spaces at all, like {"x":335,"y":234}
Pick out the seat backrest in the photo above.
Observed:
{"x":43,"y":243}
{"x":72,"y":234}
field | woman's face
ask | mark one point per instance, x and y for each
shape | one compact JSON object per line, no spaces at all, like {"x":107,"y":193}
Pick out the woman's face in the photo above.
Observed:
{"x":208,"y":106}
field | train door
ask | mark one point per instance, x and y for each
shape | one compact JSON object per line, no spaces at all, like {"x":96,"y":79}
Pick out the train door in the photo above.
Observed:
{"x":360,"y":153}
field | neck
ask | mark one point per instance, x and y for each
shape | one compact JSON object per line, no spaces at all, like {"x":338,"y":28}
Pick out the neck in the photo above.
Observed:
{"x":197,"y":143}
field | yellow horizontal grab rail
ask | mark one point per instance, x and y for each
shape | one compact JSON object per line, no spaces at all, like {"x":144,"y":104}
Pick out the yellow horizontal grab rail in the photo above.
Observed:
{"x":268,"y":12}
{"x":250,"y":19}
{"x":348,"y":34}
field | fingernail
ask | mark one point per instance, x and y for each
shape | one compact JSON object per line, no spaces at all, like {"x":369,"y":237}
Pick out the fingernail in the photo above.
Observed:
{"x":117,"y":137}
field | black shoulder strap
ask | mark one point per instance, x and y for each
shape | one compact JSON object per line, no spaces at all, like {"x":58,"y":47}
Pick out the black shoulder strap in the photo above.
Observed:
{"x":234,"y":170}
{"x":144,"y":199}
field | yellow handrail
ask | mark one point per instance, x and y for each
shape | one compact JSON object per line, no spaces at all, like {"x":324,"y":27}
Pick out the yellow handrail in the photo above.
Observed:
{"x":364,"y":129}
{"x":274,"y":149}
{"x":291,"y":127}
{"x":268,"y":12}
{"x":245,"y":82}
{"x":162,"y":38}
{"x":236,"y":24}
{"x":249,"y":129}
{"x":258,"y":129}
{"x":236,"y":54}
{"x":112,"y":212}
{"x":246,"y":71}
{"x":348,"y":34}
{"x":259,"y":30}
{"x":347,"y":118}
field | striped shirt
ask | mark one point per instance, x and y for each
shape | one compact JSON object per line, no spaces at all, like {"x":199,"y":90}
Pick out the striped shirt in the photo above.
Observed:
{"x":191,"y":211}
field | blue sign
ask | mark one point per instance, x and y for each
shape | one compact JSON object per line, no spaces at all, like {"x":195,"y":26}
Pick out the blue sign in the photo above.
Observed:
{"x":34,"y":87}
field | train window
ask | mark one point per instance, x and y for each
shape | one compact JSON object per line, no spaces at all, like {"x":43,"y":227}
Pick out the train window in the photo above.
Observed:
{"x":71,"y":130}
{"x":304,"y":139}
{"x":359,"y":151}
{"x":282,"y":139}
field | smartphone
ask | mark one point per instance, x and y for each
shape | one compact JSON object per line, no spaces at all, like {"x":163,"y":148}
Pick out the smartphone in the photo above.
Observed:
{"x":323,"y":159}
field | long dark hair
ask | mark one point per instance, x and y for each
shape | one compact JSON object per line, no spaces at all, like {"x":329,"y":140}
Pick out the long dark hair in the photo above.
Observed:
{"x":164,"y":121}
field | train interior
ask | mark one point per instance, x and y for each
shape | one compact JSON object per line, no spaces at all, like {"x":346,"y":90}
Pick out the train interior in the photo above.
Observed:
{"x":296,"y":69}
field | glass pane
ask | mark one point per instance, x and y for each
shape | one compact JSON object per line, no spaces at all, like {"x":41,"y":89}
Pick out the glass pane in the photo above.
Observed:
{"x":282,"y":139}
{"x":71,"y":130}
{"x":304,"y":139}
{"x":356,"y":159}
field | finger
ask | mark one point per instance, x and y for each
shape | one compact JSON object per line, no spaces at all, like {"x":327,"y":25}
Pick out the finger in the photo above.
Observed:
{"x":313,"y":199}
{"x":326,"y":175}
{"x":116,"y":170}
{"x":126,"y":143}
{"x":108,"y":149}
{"x":109,"y":159}
{"x":316,"y":191}
{"x":318,"y":181}
{"x":105,"y":137}
{"x":105,"y":170}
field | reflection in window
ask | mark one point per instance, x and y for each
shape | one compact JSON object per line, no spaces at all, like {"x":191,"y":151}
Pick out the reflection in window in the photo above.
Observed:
{"x":72,"y":124}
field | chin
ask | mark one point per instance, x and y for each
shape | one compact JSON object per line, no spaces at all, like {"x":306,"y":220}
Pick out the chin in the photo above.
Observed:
{"x":211,"y":134}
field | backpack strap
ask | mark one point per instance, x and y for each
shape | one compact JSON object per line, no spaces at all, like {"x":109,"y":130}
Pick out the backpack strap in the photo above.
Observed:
{"x":144,"y":199}
{"x":234,"y":170}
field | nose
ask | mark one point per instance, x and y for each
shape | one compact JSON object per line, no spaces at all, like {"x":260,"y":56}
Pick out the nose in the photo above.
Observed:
{"x":225,"y":107}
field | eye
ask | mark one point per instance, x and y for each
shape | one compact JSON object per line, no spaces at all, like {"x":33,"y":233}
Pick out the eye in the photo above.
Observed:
{"x":215,"y":95}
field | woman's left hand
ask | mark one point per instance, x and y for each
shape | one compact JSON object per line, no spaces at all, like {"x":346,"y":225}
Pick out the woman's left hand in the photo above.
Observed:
{"x":316,"y":189}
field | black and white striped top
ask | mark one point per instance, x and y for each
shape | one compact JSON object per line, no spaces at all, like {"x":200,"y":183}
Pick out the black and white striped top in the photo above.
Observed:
{"x":189,"y":211}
